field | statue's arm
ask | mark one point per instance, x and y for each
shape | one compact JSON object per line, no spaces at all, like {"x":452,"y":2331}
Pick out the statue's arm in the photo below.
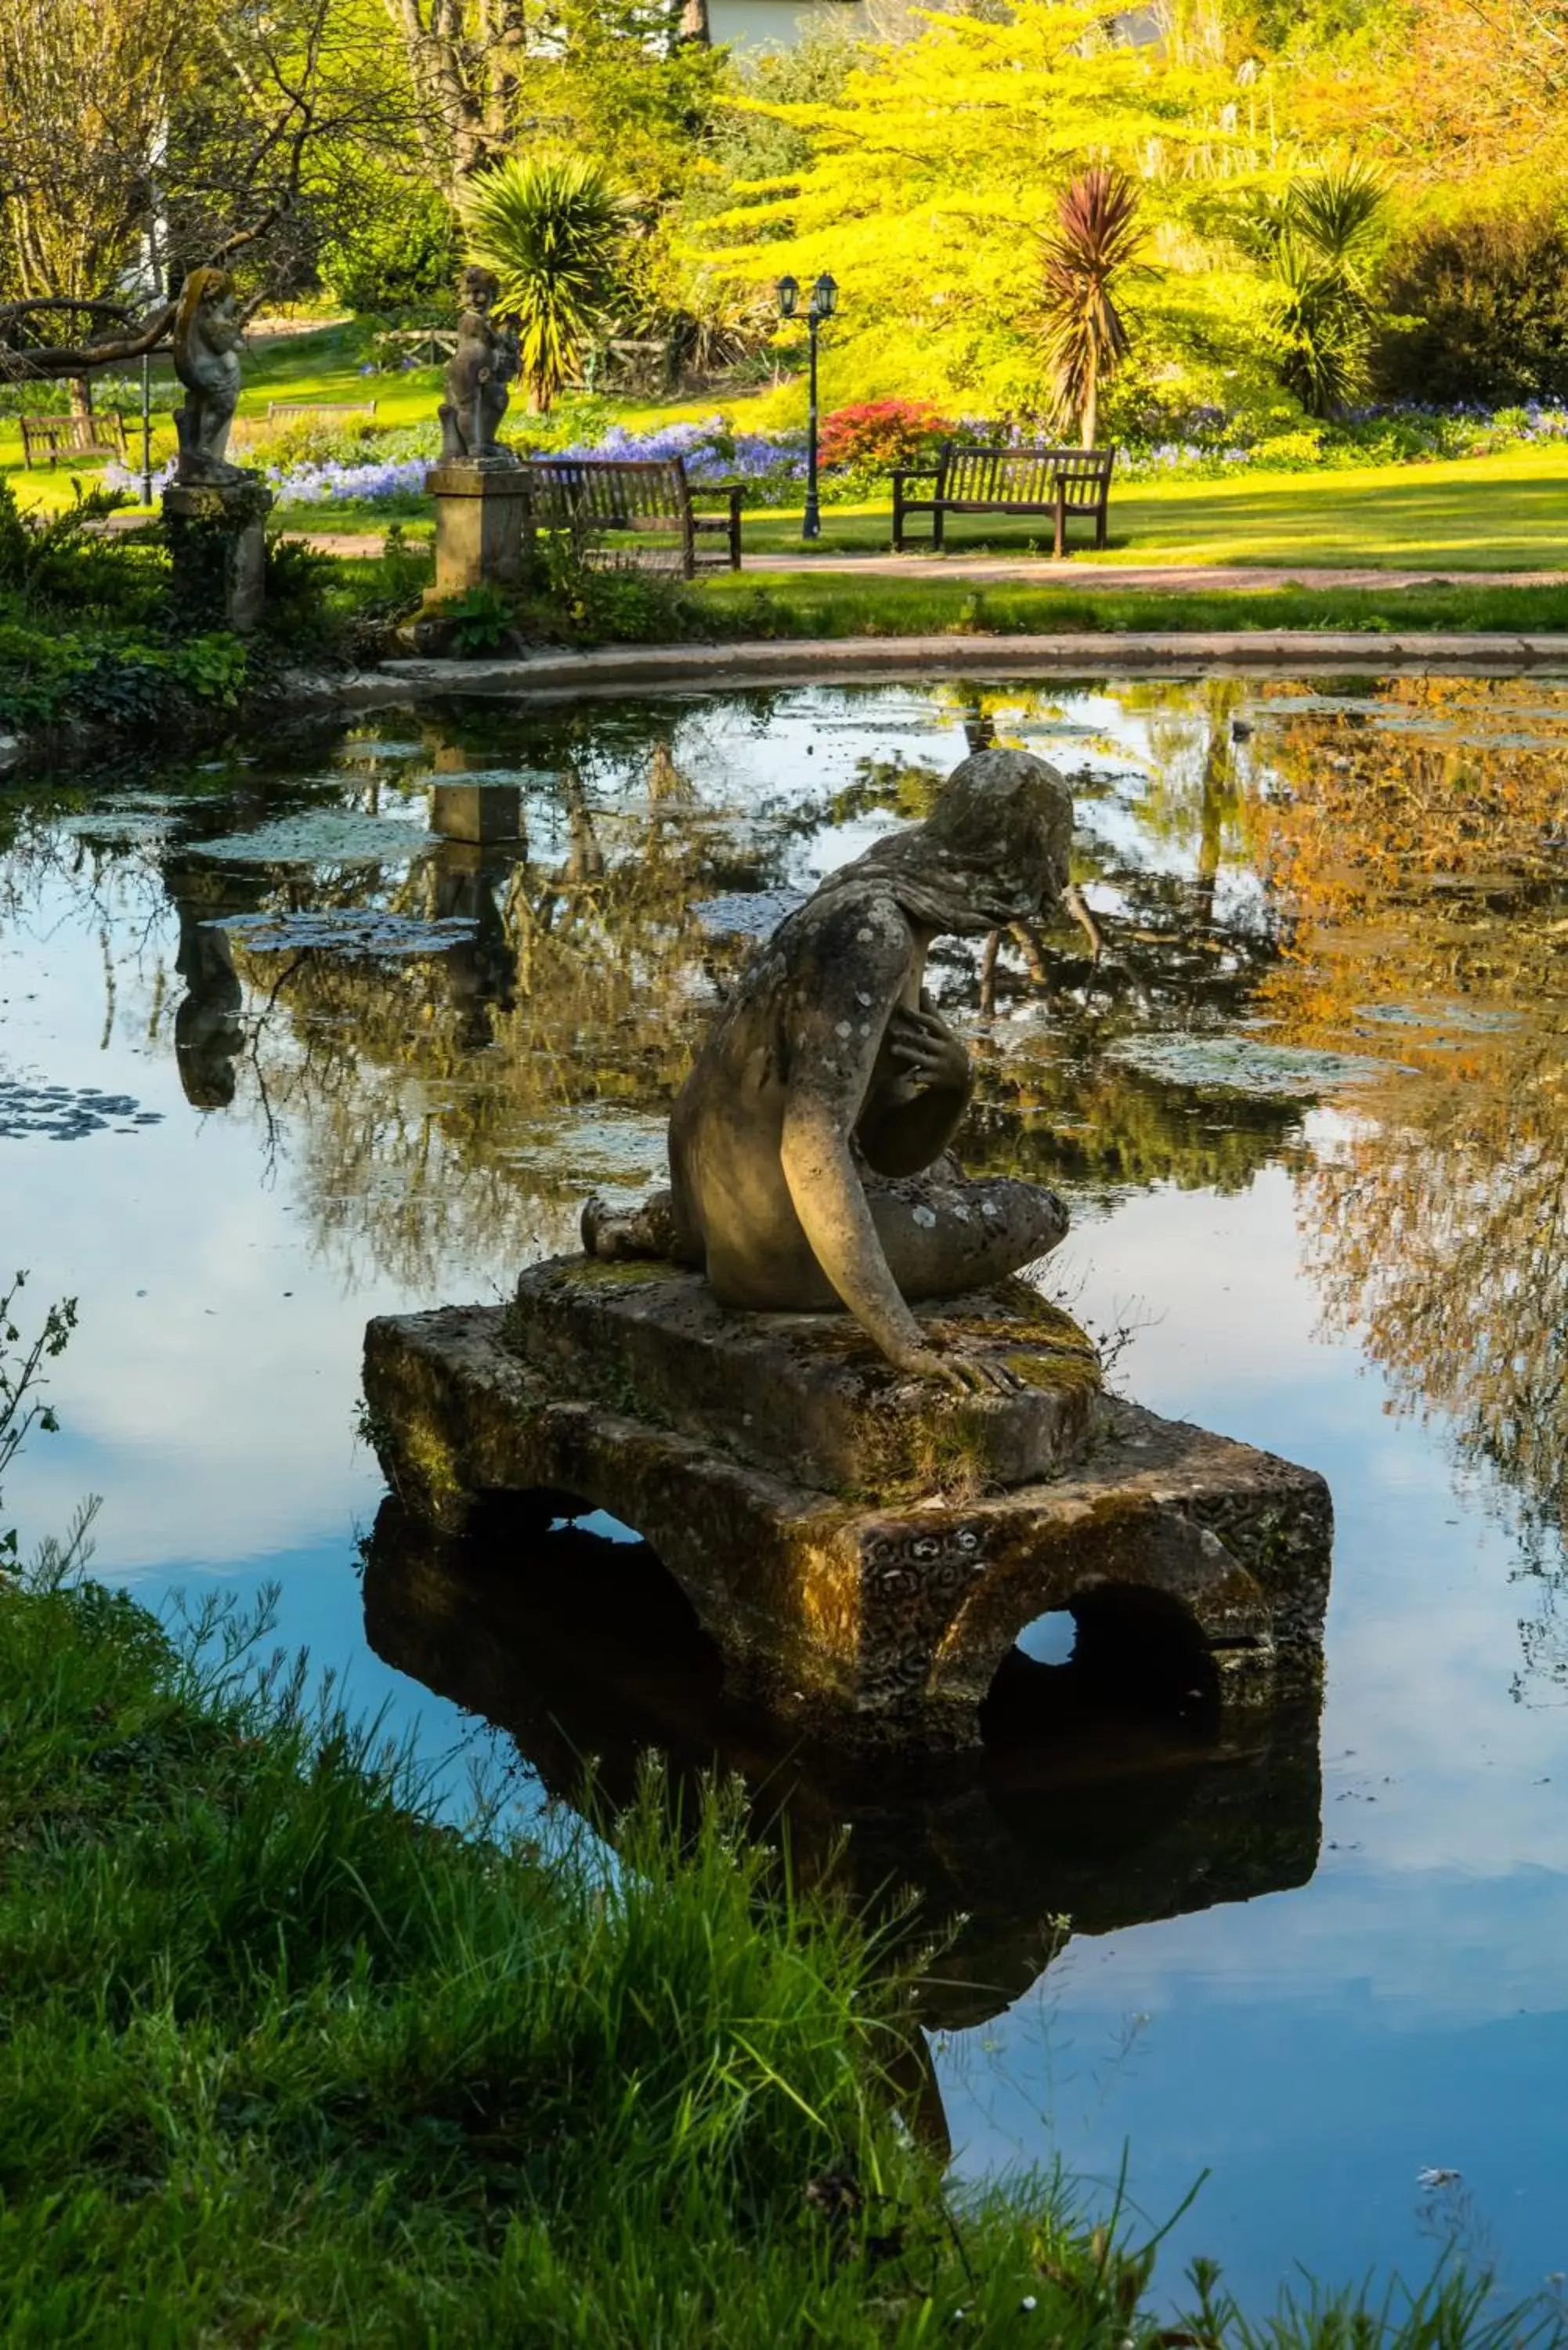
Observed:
{"x":833,"y":1052}
{"x":907,"y":1126}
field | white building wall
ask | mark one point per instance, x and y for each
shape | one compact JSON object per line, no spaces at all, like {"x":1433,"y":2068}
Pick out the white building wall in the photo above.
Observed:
{"x":782,"y":23}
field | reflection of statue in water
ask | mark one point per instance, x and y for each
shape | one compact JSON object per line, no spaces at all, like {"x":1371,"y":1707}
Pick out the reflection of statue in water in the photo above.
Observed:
{"x":807,"y":1146}
{"x":483,"y":363}
{"x":208,"y":1031}
{"x":207,"y":330}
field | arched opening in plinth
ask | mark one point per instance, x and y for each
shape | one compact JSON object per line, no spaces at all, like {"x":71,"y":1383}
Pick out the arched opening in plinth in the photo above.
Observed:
{"x":1118,"y":1658}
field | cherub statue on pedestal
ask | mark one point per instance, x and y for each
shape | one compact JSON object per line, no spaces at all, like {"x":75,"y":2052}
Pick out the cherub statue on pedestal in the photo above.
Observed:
{"x":207,"y":332}
{"x":477,"y":375}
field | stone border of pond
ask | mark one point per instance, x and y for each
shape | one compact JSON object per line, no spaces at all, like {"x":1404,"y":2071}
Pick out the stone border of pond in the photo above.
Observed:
{"x":618,"y":668}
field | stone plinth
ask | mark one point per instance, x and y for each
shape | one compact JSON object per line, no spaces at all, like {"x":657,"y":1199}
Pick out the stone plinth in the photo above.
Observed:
{"x":217,"y":550}
{"x":482,"y":523}
{"x":808,"y":1395}
{"x":863,"y":1551}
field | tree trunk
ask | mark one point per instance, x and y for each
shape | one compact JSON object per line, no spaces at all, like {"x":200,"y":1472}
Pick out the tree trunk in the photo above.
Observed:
{"x":81,"y":396}
{"x":1090,"y":409}
{"x":695,"y":22}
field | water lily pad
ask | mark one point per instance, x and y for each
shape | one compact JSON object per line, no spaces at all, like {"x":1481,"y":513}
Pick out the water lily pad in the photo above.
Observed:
{"x":615,"y":1152}
{"x":321,"y":837}
{"x":1468,"y":1018}
{"x":747,"y":913}
{"x":121,"y":827}
{"x":1242,"y":1065}
{"x":524,"y":778}
{"x":349,"y":930}
{"x":66,"y":1113}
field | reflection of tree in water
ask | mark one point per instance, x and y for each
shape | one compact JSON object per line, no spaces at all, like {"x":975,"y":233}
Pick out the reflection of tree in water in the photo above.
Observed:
{"x":463,"y":1105}
{"x":1429,"y":909}
{"x":555,"y":1077}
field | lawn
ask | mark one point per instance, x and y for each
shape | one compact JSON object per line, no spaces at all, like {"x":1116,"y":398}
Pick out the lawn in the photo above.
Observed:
{"x":1500,"y":512}
{"x":835,"y":603}
{"x":1481,"y":514}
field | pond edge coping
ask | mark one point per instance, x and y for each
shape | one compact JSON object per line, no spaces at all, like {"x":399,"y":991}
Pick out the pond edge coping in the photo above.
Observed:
{"x":1284,"y":653}
{"x":613,"y":668}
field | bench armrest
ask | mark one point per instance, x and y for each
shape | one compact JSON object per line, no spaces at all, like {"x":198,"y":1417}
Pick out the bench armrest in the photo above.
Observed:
{"x":915,"y":473}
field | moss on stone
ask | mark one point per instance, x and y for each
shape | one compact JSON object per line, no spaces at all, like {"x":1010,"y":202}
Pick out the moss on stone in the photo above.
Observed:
{"x":1054,"y":1369}
{"x":613,"y":1273}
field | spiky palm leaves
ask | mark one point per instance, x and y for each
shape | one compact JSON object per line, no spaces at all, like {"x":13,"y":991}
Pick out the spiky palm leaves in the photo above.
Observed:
{"x":1317,"y":240}
{"x":1086,"y":258}
{"x":552,"y":229}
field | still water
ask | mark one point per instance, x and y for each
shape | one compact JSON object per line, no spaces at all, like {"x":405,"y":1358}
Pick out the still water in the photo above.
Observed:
{"x":276,"y":1055}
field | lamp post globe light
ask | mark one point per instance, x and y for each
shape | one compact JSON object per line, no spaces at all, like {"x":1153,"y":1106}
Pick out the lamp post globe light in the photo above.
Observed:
{"x":822,"y":305}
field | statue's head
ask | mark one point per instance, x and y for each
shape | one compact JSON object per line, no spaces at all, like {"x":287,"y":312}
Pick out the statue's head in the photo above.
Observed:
{"x":1004,"y":819}
{"x":203,"y":290}
{"x":992,"y":851}
{"x":477,"y":288}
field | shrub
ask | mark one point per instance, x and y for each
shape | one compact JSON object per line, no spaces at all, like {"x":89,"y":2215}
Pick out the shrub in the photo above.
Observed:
{"x":553,"y":228}
{"x":399,"y":249}
{"x":877,"y":434}
{"x":1487,"y":299}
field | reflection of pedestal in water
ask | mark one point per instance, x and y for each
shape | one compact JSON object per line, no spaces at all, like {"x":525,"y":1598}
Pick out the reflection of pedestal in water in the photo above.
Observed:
{"x":863,"y":1551}
{"x":1122,"y":1812}
{"x":209,"y":1034}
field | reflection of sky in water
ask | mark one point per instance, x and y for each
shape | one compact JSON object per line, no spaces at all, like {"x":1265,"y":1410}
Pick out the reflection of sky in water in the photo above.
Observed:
{"x":1315,"y":2048}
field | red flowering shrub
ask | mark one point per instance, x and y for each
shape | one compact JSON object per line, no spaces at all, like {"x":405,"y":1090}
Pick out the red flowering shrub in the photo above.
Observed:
{"x":881,"y":433}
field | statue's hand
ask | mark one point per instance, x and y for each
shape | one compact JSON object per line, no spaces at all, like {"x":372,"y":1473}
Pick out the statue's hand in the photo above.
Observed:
{"x":967,"y":1374}
{"x":926,"y":1049}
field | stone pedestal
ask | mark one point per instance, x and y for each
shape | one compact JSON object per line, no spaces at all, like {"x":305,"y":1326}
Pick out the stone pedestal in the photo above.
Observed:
{"x":217,"y":550}
{"x":482,"y":523}
{"x":862,"y":1549}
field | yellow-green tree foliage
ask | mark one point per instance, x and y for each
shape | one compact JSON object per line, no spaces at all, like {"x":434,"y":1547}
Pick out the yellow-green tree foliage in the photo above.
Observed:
{"x":943,"y":152}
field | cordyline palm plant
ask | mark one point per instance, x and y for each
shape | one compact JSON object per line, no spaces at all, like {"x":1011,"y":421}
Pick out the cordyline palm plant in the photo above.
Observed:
{"x":552,"y":228}
{"x":1086,"y":258}
{"x":1317,"y":239}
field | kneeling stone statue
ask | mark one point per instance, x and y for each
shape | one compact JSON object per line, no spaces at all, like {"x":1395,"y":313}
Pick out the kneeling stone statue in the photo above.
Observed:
{"x":864,"y":1556}
{"x":808,"y":1145}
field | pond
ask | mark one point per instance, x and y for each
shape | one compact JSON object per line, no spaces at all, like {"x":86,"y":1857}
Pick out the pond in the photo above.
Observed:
{"x":276,"y":1055}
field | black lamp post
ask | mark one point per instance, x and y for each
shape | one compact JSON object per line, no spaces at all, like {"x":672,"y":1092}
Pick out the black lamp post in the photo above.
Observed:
{"x":824,"y":301}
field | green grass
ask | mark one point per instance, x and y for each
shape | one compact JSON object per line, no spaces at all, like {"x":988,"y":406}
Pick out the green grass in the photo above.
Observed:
{"x":282,"y":2061}
{"x":1482,"y":513}
{"x":285,"y":2060}
{"x":837,"y":604}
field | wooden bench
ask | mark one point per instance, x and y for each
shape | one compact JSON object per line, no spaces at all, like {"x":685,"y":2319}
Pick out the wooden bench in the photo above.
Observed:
{"x":1061,"y":482}
{"x":598,"y":498}
{"x":73,"y":436}
{"x":314,"y":408}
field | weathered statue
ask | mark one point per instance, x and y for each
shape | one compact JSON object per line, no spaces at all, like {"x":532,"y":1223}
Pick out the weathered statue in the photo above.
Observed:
{"x":478,"y":372}
{"x":807,"y":1148}
{"x":207,"y":331}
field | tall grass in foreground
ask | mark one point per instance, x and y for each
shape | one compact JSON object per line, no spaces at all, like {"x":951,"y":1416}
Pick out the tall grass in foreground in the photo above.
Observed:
{"x":282,"y":2060}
